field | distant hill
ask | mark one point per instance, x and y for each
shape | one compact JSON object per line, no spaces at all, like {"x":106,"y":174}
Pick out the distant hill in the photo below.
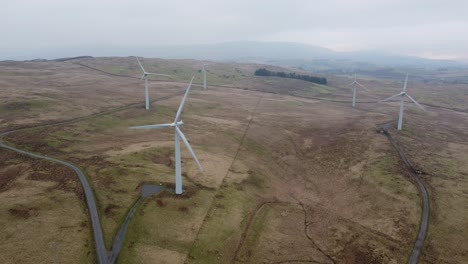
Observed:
{"x":303,"y":56}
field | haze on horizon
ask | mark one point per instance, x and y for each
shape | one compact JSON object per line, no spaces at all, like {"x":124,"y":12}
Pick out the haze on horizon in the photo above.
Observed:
{"x":425,"y":28}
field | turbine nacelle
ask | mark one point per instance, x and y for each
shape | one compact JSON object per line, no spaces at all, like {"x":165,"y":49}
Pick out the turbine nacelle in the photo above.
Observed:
{"x":178,"y":123}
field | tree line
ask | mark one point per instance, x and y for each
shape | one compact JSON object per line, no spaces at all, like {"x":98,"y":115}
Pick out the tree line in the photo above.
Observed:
{"x":292,"y":75}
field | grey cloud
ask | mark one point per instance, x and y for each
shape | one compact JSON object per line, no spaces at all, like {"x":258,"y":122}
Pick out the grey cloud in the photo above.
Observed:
{"x":407,"y":27}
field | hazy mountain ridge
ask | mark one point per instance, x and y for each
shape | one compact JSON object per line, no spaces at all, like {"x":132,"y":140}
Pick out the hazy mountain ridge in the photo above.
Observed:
{"x":248,"y":51}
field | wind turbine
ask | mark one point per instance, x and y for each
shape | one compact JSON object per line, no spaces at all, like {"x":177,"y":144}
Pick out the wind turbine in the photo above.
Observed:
{"x":204,"y":74}
{"x":402,"y":95}
{"x":204,"y":77}
{"x":353,"y":84}
{"x":178,"y":135}
{"x":145,"y":77}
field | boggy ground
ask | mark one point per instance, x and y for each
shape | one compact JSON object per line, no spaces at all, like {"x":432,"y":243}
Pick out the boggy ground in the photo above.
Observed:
{"x":34,"y":93}
{"x":288,"y":179}
{"x":296,"y":182}
{"x":437,"y":144}
{"x":41,"y":206}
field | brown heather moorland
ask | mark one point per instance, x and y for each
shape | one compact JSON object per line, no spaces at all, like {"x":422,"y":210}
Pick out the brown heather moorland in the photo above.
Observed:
{"x":293,"y":174}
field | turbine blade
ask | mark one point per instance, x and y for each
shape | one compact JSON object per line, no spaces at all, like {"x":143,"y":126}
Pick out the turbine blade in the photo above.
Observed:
{"x":362,"y":86}
{"x":142,"y":77}
{"x":179,"y":111}
{"x":414,"y":101}
{"x":143,"y":69}
{"x":152,"y":126}
{"x":158,"y":74}
{"x":406,"y":82}
{"x":184,"y":139}
{"x":391,"y":97}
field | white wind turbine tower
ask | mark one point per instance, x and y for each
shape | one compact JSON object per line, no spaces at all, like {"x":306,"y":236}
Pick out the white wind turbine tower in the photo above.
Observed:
{"x":204,"y":74}
{"x":402,"y":95}
{"x":178,"y":135}
{"x":145,"y":77}
{"x":353,"y":84}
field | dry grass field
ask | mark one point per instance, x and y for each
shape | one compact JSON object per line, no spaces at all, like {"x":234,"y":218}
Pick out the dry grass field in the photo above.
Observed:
{"x":41,"y":205}
{"x":290,"y":178}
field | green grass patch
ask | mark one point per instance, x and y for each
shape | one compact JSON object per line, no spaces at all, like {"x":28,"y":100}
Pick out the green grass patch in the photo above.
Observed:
{"x":383,"y":173}
{"x":223,"y":226}
{"x":314,"y":90}
{"x":256,"y":229}
{"x":25,"y":73}
{"x":255,"y":179}
{"x":322,"y":89}
{"x":165,"y":224}
{"x":21,"y":106}
{"x":256,"y":148}
{"x":198,"y":109}
{"x":452,"y":98}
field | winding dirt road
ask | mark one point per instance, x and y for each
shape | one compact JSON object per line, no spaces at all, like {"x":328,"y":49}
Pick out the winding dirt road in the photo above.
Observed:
{"x":418,"y":244}
{"x":105,"y":257}
{"x":101,"y":251}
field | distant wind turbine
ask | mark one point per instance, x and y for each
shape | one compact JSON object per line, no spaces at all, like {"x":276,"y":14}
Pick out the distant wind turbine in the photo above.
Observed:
{"x":178,"y":135}
{"x":204,"y":74}
{"x":402,"y":95}
{"x":204,"y":77}
{"x":145,"y":77}
{"x":353,"y":84}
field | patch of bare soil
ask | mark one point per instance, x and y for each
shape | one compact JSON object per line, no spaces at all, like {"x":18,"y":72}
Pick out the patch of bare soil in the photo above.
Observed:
{"x":160,"y":203}
{"x":35,"y":141}
{"x":189,"y":191}
{"x":18,"y":106}
{"x":23,"y":212}
{"x":95,"y":161}
{"x":110,"y":209}
{"x":183,"y":209}
{"x":361,"y":254}
{"x":10,"y":169}
{"x":198,"y":185}
{"x":8,"y":176}
{"x":163,"y":157}
{"x":64,"y":177}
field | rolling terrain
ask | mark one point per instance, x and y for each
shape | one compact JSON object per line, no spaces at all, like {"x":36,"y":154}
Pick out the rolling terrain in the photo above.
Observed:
{"x":293,"y":173}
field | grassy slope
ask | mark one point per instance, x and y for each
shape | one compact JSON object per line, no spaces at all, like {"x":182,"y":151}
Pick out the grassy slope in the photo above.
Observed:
{"x":116,"y":178}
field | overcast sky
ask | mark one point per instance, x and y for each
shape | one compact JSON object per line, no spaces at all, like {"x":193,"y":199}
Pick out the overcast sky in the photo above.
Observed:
{"x":428,"y":28}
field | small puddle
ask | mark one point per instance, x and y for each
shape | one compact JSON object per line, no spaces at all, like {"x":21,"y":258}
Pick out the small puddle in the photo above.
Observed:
{"x":150,"y":189}
{"x":146,"y":190}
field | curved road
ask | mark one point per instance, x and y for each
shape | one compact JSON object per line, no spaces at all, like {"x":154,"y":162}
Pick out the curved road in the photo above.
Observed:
{"x":101,"y":250}
{"x":418,"y":244}
{"x":422,"y":189}
{"x":105,"y":257}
